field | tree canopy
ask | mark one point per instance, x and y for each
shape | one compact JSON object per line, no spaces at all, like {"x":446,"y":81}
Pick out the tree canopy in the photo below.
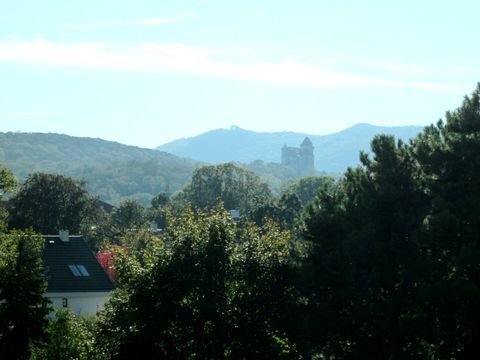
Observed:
{"x":307,"y":187}
{"x":23,"y":308}
{"x":48,"y":203}
{"x":203,"y":291}
{"x":114,"y":172}
{"x":8,"y":183}
{"x":7,"y":180}
{"x":393,"y":267}
{"x":230,"y":184}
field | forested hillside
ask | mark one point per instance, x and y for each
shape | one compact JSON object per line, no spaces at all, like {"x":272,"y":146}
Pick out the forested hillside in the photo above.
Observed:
{"x":113,"y":171}
{"x":333,"y":152}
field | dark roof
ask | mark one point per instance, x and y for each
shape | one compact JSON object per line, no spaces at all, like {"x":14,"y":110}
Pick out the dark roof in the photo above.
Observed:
{"x":58,"y":255}
{"x":306,"y":142}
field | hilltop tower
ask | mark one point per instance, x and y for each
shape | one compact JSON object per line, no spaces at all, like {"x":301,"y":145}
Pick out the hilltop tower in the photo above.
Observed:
{"x":300,"y":159}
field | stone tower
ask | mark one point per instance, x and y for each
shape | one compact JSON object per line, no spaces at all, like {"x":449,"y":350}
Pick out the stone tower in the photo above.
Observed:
{"x":300,"y":159}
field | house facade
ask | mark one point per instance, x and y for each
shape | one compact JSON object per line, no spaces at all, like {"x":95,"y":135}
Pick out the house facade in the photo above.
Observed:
{"x":75,"y":278}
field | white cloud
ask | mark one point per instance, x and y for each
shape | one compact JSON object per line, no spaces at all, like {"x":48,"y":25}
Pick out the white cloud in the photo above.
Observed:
{"x":141,"y":22}
{"x":157,"y":20}
{"x":25,"y":113}
{"x":91,"y":26}
{"x":157,"y":57}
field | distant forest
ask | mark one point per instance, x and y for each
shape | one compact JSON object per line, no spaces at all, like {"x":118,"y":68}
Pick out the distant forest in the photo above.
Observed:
{"x":113,"y":171}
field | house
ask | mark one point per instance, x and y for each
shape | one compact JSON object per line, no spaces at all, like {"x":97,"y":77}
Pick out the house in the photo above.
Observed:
{"x":75,"y":278}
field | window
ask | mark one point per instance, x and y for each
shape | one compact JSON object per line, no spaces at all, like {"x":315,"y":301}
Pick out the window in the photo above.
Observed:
{"x":78,"y":270}
{"x":64,"y":302}
{"x":82,"y":270}
{"x":74,"y":270}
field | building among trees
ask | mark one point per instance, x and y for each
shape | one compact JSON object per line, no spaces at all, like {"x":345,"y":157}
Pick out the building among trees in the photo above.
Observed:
{"x":299,"y":158}
{"x":75,"y":278}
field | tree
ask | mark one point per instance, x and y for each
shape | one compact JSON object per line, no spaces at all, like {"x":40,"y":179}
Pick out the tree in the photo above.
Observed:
{"x":203,"y":291}
{"x":364,"y":257}
{"x":448,"y":155}
{"x":96,"y":226}
{"x":263,"y":303}
{"x":157,"y":213}
{"x":8,"y":183}
{"x":160,"y":201}
{"x":307,"y":188}
{"x":284,"y":211}
{"x":130,"y":214}
{"x":107,"y":257}
{"x":392,"y":270}
{"x":68,"y":337}
{"x":236,"y":187}
{"x":48,"y":203}
{"x":23,"y":308}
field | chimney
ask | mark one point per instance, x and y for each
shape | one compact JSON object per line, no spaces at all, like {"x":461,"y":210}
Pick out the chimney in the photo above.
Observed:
{"x":64,"y":235}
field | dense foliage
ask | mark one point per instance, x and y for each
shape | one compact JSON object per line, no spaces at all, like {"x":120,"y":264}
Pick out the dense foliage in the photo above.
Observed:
{"x":48,"y":203}
{"x":393,"y":271}
{"x":111,"y":170}
{"x":206,"y":290}
{"x":306,"y":188}
{"x":22,"y":285}
{"x":68,"y":337}
{"x":8,"y":183}
{"x":235,"y":187}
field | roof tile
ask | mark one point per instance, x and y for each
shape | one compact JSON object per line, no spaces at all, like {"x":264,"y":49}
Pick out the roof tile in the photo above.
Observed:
{"x":58,"y":255}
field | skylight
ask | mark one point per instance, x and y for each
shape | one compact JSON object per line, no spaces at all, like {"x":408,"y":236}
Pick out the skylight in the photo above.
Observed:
{"x":78,"y":270}
{"x":82,"y":270}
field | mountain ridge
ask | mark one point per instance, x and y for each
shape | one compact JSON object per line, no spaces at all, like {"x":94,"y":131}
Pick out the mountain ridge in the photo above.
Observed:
{"x":115,"y":171}
{"x":333,"y":152}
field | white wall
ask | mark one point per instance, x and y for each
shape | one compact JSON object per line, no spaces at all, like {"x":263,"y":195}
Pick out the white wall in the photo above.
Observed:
{"x":80,"y":303}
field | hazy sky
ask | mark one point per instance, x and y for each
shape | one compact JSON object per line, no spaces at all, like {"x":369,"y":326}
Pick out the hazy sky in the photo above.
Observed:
{"x":146,"y":72}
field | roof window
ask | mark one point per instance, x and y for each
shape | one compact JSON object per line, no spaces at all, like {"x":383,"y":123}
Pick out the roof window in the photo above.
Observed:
{"x":78,"y":270}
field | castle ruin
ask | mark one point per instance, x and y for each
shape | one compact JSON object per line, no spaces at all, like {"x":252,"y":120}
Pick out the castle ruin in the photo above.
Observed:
{"x":299,"y":158}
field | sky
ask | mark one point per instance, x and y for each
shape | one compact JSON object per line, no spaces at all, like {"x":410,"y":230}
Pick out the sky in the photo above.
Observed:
{"x":146,"y":72}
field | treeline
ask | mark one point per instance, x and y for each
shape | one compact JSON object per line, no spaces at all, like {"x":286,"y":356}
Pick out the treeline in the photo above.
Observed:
{"x":114,"y":172}
{"x":111,"y":170}
{"x":382,"y":264}
{"x":49,"y":202}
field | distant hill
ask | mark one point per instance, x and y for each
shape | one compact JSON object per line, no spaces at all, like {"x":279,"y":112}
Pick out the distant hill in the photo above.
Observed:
{"x":113,"y":171}
{"x":333,"y":153}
